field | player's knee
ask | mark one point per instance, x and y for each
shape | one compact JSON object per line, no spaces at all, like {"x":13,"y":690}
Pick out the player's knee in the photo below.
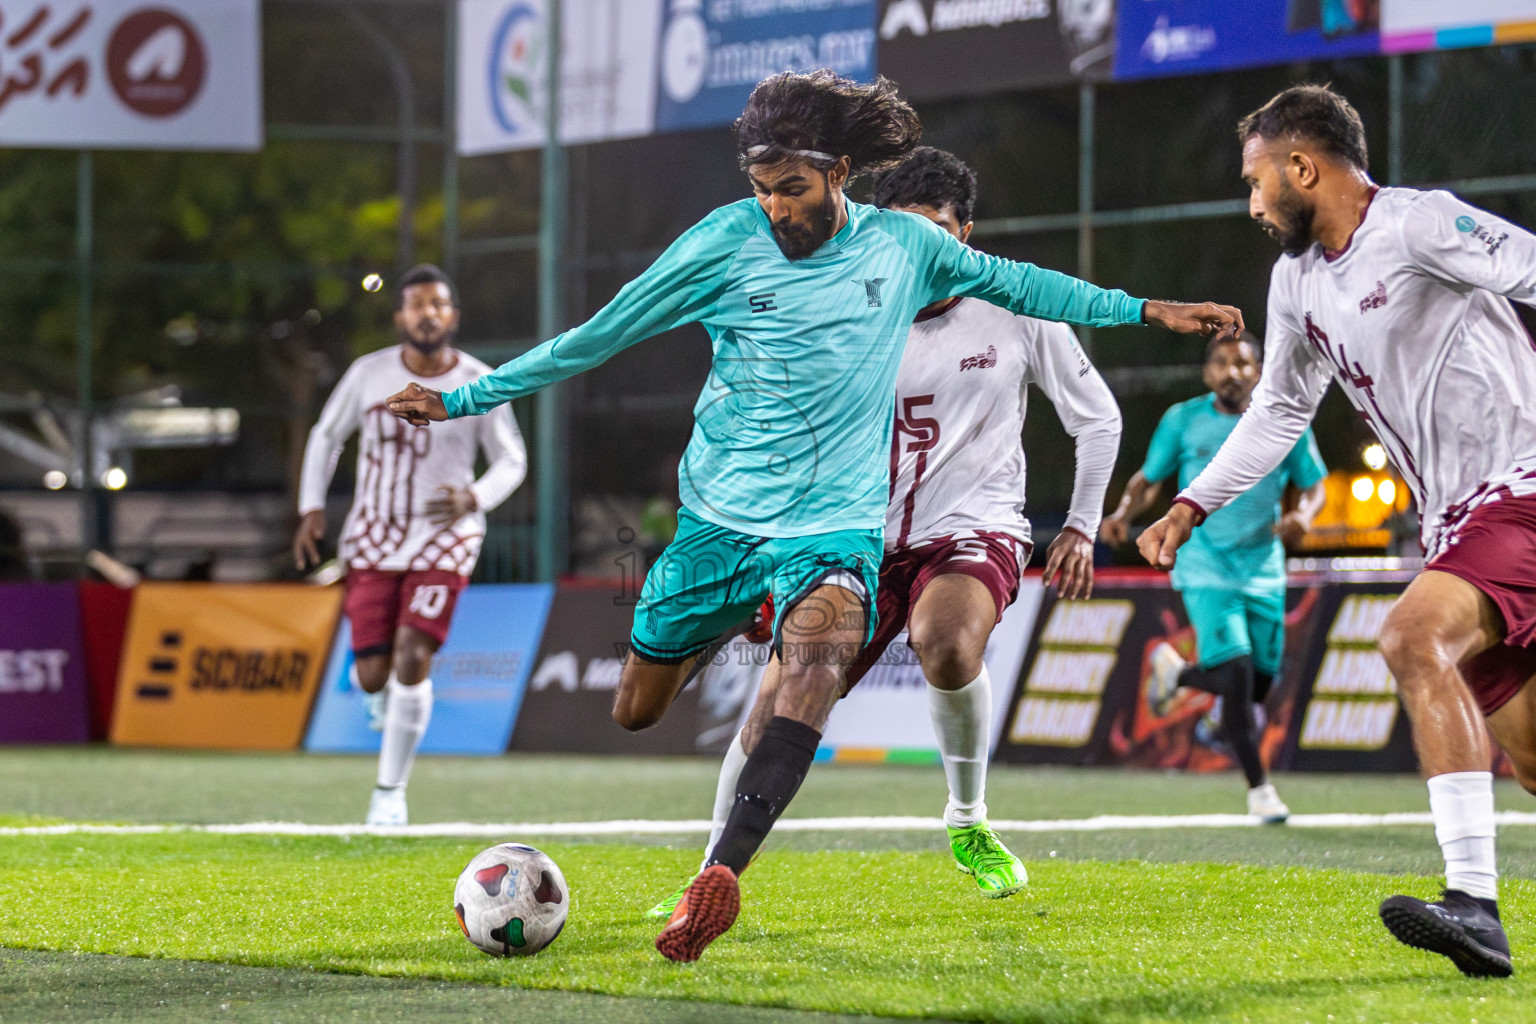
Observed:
{"x":632,"y":714}
{"x":1412,"y":648}
{"x":949,"y":664}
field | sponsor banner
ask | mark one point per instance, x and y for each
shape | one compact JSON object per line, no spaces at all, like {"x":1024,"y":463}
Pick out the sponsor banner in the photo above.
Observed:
{"x":712,"y":52}
{"x":42,"y":665}
{"x":1082,"y":696}
{"x":1409,"y":25}
{"x":569,"y":703}
{"x":478,"y":677}
{"x":1349,"y":717}
{"x":608,"y":54}
{"x":221,"y":665}
{"x":104,"y":612}
{"x":131,"y":74}
{"x":939,"y":48}
{"x":1181,"y":37}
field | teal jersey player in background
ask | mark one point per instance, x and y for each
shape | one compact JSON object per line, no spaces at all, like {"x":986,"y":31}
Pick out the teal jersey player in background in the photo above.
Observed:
{"x":807,"y":298}
{"x":1231,"y":574}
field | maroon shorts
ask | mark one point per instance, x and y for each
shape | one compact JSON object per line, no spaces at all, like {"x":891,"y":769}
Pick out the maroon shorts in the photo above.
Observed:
{"x":995,"y":559}
{"x":1495,"y":551}
{"x":378,"y":601}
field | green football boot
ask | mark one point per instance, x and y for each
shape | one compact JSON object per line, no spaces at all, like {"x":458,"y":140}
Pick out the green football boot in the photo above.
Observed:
{"x":666,"y":906}
{"x":980,"y":854}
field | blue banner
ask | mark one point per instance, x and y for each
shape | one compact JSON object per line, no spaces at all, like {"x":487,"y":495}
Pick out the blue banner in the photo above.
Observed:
{"x":714,"y":51}
{"x":478,"y":677}
{"x":1181,"y":37}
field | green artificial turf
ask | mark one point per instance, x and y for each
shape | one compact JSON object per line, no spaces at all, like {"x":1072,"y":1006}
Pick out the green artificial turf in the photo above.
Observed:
{"x":890,"y":933}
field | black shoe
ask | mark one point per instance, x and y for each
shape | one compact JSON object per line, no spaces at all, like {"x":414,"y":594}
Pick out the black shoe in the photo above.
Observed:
{"x":1459,"y":926}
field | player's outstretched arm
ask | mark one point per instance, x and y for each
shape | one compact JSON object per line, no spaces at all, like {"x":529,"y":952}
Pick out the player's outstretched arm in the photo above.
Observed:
{"x":418,"y":405}
{"x":1139,"y":495}
{"x":1193,"y":317}
{"x":1160,"y":542}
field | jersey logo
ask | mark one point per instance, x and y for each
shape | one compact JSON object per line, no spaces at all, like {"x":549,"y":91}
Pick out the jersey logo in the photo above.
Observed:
{"x":872,"y":289}
{"x":762,"y":302}
{"x":1376,"y":299}
{"x":984,"y":361}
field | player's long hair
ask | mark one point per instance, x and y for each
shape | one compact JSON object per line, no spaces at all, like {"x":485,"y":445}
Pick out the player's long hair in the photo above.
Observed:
{"x":929,"y":177}
{"x":821,"y":117}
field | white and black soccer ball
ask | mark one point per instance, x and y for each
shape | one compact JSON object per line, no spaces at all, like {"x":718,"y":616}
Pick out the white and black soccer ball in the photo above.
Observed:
{"x":511,"y":900}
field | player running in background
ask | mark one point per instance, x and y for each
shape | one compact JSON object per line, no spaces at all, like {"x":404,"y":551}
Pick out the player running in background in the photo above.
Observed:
{"x":955,"y":534}
{"x":807,"y":298}
{"x":417,"y":519}
{"x":1403,"y":297}
{"x":1231,"y":575}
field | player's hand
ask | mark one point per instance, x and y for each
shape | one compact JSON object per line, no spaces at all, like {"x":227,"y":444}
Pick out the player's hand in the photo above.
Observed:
{"x":417,"y":405}
{"x":1069,"y":562}
{"x":307,"y":538}
{"x":1204,"y":318}
{"x":1291,"y":528}
{"x":451,"y":504}
{"x":1159,"y":542}
{"x":1114,"y":530}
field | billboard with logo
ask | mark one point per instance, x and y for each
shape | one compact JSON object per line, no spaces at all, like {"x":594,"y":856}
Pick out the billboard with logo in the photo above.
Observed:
{"x":42,"y":665}
{"x":223,"y":665}
{"x":712,"y":52}
{"x":478,"y":677}
{"x":132,"y":74}
{"x":607,"y":72}
{"x":1181,"y":37}
{"x":1408,"y":25}
{"x":939,"y":48}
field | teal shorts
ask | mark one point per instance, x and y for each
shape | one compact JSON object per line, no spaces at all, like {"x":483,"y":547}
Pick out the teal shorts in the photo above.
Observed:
{"x":1230,"y":623}
{"x":710,"y":579}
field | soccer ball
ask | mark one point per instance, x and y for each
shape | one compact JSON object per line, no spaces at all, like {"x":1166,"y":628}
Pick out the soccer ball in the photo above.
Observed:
{"x":511,"y":900}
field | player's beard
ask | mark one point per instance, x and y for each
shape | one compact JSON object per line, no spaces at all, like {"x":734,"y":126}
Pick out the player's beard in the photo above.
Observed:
{"x":428,"y":346}
{"x":1292,"y":223}
{"x":795,"y":242}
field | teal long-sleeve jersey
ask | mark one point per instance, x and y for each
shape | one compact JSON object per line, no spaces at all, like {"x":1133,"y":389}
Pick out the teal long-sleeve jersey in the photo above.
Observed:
{"x":792,"y":431}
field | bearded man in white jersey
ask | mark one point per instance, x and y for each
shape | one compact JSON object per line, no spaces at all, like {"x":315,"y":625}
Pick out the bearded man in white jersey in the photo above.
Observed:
{"x":955,"y":534}
{"x":417,"y":521}
{"x":1403,"y":297}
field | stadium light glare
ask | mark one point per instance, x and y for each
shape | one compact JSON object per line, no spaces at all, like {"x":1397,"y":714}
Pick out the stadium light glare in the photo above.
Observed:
{"x":114,"y":479}
{"x":55,"y":479}
{"x":372,"y":283}
{"x":1374,"y":456}
{"x":1362,"y":488}
{"x":1387,"y":492}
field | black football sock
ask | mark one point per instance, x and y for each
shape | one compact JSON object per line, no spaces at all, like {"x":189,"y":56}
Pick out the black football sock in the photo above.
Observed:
{"x":1263,"y":682}
{"x":1233,"y":683}
{"x":767,"y":784}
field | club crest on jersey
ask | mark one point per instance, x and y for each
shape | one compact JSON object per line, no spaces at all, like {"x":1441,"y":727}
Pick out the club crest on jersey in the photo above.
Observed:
{"x":872,"y":290}
{"x":1376,"y":299}
{"x":984,"y":361}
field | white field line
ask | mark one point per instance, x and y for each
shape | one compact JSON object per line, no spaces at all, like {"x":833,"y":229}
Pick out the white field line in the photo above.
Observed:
{"x":1102,"y":823}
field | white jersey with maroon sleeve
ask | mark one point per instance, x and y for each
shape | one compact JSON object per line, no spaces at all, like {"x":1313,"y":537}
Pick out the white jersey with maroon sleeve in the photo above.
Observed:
{"x":1413,"y":320}
{"x":957,"y":459}
{"x":401,"y":467}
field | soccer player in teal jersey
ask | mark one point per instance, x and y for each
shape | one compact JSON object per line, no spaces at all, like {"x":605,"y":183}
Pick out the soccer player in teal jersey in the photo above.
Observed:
{"x":807,"y":298}
{"x":1232,"y":573}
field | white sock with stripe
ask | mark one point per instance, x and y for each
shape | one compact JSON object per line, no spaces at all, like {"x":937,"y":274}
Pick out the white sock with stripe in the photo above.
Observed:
{"x":406,"y":715}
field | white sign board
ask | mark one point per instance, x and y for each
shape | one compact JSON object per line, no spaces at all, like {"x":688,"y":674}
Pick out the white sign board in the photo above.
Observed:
{"x":131,"y":74}
{"x":1403,"y":17}
{"x":607,"y":76}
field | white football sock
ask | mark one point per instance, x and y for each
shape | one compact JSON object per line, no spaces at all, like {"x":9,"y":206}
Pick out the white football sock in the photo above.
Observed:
{"x":406,"y":715}
{"x":725,"y":793}
{"x":1462,"y":805}
{"x":962,"y":721}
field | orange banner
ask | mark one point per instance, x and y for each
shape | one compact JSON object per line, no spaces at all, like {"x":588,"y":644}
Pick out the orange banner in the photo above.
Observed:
{"x":223,"y":666}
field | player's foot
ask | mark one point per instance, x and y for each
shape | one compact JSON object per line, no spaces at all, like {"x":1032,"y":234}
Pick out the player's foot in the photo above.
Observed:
{"x":1265,"y":804}
{"x":387,"y":807}
{"x":980,"y":854}
{"x":666,"y":906}
{"x":1164,"y":680}
{"x":374,"y":704}
{"x":1459,"y":926}
{"x":708,"y":908}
